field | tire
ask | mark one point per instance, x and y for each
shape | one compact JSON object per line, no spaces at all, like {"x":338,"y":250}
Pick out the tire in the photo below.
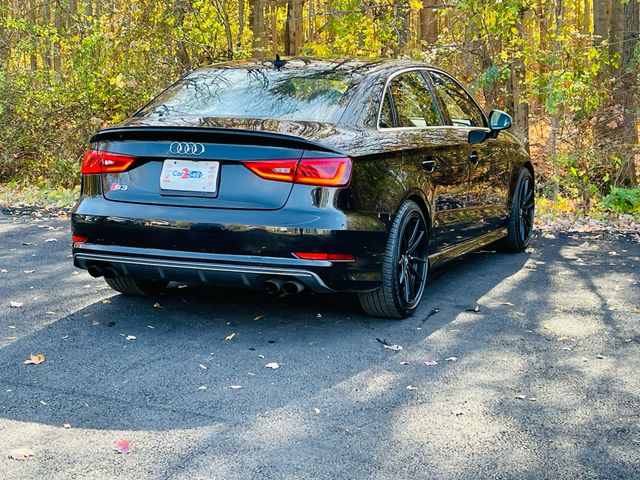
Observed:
{"x":137,"y":287}
{"x":520,"y":226}
{"x":404,"y":268}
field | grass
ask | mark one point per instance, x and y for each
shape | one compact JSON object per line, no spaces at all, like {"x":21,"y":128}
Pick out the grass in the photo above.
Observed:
{"x":44,"y":195}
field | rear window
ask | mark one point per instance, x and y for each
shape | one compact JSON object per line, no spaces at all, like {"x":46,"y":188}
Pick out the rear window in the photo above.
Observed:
{"x":256,"y":93}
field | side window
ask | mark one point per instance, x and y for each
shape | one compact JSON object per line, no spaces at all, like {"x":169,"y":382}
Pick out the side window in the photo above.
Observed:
{"x":413,"y":101}
{"x":386,"y":117}
{"x":462,"y":109}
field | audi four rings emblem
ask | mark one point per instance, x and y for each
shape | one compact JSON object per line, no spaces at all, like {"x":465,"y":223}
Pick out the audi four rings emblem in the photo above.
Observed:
{"x":186,"y":148}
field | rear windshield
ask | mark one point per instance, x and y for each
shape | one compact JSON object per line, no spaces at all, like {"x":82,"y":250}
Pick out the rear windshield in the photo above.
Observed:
{"x":320,"y":96}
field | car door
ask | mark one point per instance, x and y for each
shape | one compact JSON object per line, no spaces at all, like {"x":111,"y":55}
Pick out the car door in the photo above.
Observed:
{"x":489,"y":166}
{"x":432,"y":157}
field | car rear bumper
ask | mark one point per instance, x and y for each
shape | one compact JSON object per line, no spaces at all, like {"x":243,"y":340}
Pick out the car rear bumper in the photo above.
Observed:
{"x":231,"y":248}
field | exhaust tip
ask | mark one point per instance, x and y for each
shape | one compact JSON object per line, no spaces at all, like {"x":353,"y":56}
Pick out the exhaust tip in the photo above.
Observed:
{"x":292,"y":287}
{"x":95,"y":271}
{"x":109,"y":273}
{"x":273,"y":285}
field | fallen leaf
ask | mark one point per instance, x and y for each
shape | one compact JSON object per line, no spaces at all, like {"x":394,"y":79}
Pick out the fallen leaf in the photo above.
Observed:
{"x":3,"y":270}
{"x":507,"y":303}
{"x":49,"y":240}
{"x":66,"y":425}
{"x":389,"y":346}
{"x":106,"y":301}
{"x":272,"y":365}
{"x":533,"y":399}
{"x":202,"y":387}
{"x":123,"y":446}
{"x":13,"y":304}
{"x":29,"y":271}
{"x":318,"y":316}
{"x":151,"y":327}
{"x":411,"y":387}
{"x":43,"y":402}
{"x":431,"y":363}
{"x":157,"y":305}
{"x":235,"y":387}
{"x":521,"y":397}
{"x":130,"y":337}
{"x":95,"y":323}
{"x":404,"y":363}
{"x":21,"y":454}
{"x":475,"y":309}
{"x":601,"y":357}
{"x":34,"y":359}
{"x":51,"y":313}
{"x":451,"y":359}
{"x":204,"y":367}
{"x":432,"y":313}
{"x":458,"y":413}
{"x":317,"y":410}
{"x":258,"y":317}
{"x":229,"y":337}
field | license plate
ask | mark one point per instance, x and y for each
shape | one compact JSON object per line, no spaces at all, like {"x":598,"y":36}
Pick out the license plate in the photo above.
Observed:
{"x":188,"y":176}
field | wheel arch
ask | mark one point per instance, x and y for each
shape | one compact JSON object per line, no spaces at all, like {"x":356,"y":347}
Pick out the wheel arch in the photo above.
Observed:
{"x":419,"y":199}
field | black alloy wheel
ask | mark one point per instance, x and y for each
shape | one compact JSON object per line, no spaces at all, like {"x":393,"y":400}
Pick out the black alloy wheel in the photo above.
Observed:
{"x":520,"y":226}
{"x":405,"y":267}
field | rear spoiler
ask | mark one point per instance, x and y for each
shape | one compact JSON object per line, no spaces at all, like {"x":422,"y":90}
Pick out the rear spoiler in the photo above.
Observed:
{"x":208,"y":135}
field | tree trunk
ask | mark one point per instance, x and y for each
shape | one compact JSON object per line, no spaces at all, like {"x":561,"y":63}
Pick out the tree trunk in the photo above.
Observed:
{"x":32,"y":19}
{"x":615,"y":29}
{"x":256,"y":18}
{"x":518,"y":97}
{"x":181,"y":54}
{"x":428,"y":24}
{"x":294,"y":28}
{"x":240,"y":23}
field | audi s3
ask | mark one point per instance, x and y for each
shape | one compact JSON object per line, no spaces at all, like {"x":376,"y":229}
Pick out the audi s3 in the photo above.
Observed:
{"x":302,"y":175}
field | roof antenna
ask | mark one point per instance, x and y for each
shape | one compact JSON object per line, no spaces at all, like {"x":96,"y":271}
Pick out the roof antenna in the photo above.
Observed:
{"x":279,"y":63}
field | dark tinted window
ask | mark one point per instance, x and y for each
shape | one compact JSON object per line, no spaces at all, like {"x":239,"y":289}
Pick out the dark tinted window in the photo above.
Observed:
{"x":386,"y":117}
{"x":257,"y":93}
{"x":413,"y":101}
{"x":462,"y":109}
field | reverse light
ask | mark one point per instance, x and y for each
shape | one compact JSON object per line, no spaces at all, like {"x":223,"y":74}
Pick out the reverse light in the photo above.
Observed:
{"x":325,"y":172}
{"x":334,"y":257}
{"x":97,"y":161}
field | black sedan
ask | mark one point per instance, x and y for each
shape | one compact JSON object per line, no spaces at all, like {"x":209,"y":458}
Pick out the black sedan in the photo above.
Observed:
{"x":302,"y":175}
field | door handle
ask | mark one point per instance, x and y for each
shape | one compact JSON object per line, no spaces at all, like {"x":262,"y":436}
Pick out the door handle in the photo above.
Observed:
{"x":474,"y":158}
{"x":429,"y":165}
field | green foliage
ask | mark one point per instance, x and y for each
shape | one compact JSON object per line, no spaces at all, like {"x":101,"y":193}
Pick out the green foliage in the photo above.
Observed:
{"x":623,"y":200}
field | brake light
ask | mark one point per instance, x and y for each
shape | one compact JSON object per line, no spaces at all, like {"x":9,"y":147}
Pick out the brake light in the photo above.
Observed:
{"x":279,"y":170}
{"x":335,"y":257}
{"x":326,"y":172}
{"x":97,"y":161}
{"x":78,"y":239}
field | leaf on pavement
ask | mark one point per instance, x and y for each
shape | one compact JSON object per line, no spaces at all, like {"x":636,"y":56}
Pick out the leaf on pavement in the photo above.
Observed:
{"x":49,"y":240}
{"x":411,"y":387}
{"x":202,"y":366}
{"x":272,"y":365}
{"x":13,"y":304}
{"x":520,"y":397}
{"x":432,"y":313}
{"x":404,"y":363}
{"x":389,"y":346}
{"x":123,"y":446}
{"x":202,"y":387}
{"x":475,"y":309}
{"x":600,"y":357}
{"x":34,"y":359}
{"x":430,"y":363}
{"x":509,"y":304}
{"x":66,"y":425}
{"x":130,"y":337}
{"x":3,"y":270}
{"x":259,"y":317}
{"x":229,"y":337}
{"x":29,"y":271}
{"x":451,"y":359}
{"x":235,"y":387}
{"x":21,"y":454}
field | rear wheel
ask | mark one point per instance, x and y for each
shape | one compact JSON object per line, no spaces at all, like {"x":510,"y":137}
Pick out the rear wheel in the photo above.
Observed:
{"x":520,"y":224}
{"x":404,"y":268}
{"x":138,"y":287}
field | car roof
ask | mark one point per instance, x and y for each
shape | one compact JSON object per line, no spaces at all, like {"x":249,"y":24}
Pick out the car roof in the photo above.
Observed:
{"x":354,"y":66}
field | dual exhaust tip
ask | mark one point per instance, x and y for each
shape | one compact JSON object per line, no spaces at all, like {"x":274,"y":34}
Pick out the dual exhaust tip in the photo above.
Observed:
{"x":99,"y":271}
{"x":277,"y":285}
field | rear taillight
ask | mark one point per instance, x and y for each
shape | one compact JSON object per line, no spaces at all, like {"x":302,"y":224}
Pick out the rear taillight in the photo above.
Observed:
{"x":78,"y":239}
{"x":326,"y":172}
{"x":96,"y":161}
{"x":335,"y":257}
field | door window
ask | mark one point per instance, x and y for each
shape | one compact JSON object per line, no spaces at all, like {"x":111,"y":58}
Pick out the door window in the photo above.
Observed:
{"x":413,"y":101}
{"x":463,"y":111}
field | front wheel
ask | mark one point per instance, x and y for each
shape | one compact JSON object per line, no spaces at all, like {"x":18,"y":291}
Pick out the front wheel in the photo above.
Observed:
{"x":404,"y":267}
{"x":520,"y":225}
{"x":137,"y":287}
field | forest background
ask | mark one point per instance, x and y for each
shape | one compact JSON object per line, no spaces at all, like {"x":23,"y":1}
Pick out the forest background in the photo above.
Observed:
{"x":566,"y":70}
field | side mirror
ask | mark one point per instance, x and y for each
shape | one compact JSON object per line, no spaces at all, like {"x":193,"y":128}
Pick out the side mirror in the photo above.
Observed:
{"x":498,"y":120}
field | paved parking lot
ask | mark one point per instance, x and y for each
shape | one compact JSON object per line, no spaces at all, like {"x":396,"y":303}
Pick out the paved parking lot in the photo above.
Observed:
{"x":539,"y":381}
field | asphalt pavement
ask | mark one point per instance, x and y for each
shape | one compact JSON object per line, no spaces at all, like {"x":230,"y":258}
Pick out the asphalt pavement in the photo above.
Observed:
{"x":515,"y":366}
